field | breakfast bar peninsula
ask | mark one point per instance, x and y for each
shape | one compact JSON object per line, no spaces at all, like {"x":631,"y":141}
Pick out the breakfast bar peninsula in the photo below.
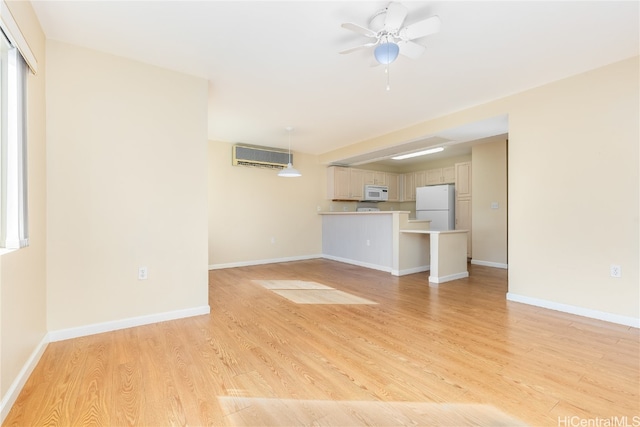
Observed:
{"x":390,"y":241}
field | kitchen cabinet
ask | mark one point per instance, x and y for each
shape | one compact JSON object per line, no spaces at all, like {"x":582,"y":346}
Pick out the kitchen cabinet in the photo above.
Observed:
{"x":345,"y":183}
{"x":410,"y":181}
{"x":408,"y":187}
{"x":434,"y":176}
{"x":338,"y":183}
{"x":393,"y":182}
{"x":463,"y":179}
{"x":356,"y":184}
{"x":463,"y":220}
{"x":375,"y":178}
{"x":449,"y":175}
{"x":463,"y":200}
{"x":441,"y":176}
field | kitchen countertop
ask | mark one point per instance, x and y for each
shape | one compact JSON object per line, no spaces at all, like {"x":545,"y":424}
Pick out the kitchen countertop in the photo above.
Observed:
{"x":434,"y":231}
{"x":363,"y":213}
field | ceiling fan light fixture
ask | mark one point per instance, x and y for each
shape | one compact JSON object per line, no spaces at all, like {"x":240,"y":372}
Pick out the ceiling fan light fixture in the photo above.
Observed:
{"x":386,"y":53}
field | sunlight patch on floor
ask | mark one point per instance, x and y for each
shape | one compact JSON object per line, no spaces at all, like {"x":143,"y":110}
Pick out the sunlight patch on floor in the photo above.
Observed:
{"x":247,"y":411}
{"x":303,"y":292}
{"x":290,"y":284}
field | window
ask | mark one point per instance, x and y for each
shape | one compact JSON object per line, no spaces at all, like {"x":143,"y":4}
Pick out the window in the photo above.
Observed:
{"x":14,"y":232}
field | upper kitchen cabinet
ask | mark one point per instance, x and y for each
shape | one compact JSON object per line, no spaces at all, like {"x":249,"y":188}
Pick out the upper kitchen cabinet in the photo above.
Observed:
{"x":393,"y":182}
{"x":356,"y":184}
{"x":463,"y":179}
{"x":441,"y":176}
{"x":375,"y":178}
{"x":345,"y":183}
{"x":338,"y":183}
{"x":408,"y":187}
{"x":411,"y":180}
{"x":420,"y":178}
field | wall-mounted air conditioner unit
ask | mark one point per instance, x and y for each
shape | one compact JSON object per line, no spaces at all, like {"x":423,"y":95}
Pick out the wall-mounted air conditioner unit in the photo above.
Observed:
{"x":257,"y":156}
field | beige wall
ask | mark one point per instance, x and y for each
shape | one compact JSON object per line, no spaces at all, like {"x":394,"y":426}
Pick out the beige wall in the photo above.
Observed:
{"x":22,"y":272}
{"x":573,"y":190}
{"x":573,"y":186}
{"x":127,"y":187}
{"x":250,"y":206}
{"x":489,"y":185}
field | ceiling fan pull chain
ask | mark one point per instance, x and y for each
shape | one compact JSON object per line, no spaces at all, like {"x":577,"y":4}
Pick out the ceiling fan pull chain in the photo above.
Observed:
{"x":387,"y":71}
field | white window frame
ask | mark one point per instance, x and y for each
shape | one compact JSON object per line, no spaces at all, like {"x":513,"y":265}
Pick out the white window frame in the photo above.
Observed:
{"x":16,"y":57}
{"x":14,"y":228}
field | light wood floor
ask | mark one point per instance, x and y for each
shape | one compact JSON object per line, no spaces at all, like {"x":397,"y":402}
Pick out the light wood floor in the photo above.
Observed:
{"x":449,"y":355}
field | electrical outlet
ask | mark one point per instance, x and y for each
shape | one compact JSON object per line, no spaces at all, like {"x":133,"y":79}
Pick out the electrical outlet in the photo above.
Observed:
{"x":273,"y":240}
{"x":615,"y":270}
{"x":143,"y":273}
{"x":368,"y":242}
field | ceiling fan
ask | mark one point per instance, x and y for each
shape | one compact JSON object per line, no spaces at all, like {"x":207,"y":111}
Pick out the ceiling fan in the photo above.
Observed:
{"x":392,"y":38}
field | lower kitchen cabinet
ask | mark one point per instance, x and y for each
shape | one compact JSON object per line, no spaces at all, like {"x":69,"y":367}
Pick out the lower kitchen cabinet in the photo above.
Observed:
{"x":463,"y":220}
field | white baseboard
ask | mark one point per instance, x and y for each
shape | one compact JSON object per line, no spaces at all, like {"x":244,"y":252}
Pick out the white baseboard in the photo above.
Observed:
{"x":261,"y":261}
{"x":358,"y":263}
{"x":572,"y":309}
{"x":414,"y":270}
{"x":490,"y":264}
{"x":98,"y":328}
{"x":16,"y":386}
{"x":450,"y":277}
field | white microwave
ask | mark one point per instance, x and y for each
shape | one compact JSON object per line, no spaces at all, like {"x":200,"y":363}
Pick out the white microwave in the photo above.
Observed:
{"x":376,"y":193}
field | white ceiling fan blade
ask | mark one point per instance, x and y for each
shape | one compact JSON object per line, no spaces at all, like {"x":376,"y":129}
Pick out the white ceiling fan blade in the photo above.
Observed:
{"x":358,"y":29}
{"x":396,"y":13}
{"x":421,"y":28}
{"x":410,"y":49}
{"x":354,"y":49}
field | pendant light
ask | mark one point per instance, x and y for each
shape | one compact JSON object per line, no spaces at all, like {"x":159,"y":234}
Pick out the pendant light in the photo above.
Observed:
{"x":289,"y":171}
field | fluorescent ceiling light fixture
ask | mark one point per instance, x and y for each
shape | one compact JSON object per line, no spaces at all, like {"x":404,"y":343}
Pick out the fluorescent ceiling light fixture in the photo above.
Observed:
{"x":419,"y":153}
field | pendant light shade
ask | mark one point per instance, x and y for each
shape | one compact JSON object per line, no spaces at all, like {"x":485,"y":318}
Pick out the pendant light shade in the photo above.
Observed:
{"x":386,"y":53}
{"x":289,"y":171}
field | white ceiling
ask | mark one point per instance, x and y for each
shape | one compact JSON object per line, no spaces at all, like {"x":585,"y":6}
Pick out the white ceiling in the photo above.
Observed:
{"x":276,"y":64}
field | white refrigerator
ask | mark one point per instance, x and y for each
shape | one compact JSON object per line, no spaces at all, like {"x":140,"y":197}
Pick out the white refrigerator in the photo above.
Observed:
{"x":437,"y":203}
